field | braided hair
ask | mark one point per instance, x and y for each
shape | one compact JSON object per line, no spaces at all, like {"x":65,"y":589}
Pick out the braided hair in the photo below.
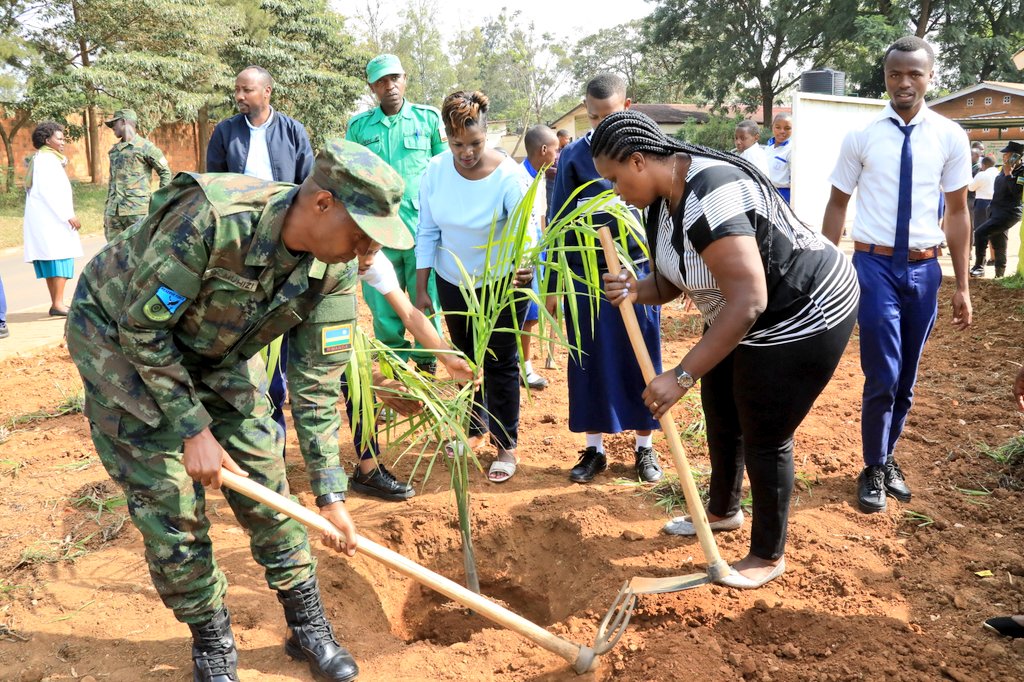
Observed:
{"x":627,"y":132}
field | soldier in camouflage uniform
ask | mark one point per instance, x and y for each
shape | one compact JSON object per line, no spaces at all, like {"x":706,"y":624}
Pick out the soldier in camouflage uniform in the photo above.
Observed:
{"x":164,"y":328}
{"x":132,"y":162}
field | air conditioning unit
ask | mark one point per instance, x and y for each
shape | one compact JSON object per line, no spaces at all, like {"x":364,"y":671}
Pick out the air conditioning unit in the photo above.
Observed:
{"x":823,"y":82}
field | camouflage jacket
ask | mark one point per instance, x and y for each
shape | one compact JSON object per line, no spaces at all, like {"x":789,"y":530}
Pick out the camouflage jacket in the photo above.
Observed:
{"x":190,"y":294}
{"x":131,"y":167}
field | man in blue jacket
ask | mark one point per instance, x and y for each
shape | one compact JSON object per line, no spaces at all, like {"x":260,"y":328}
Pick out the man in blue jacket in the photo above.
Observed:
{"x":268,"y":145}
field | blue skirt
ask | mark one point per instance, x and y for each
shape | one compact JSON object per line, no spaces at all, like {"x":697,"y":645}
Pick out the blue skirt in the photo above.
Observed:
{"x":605,"y":381}
{"x":65,"y":267}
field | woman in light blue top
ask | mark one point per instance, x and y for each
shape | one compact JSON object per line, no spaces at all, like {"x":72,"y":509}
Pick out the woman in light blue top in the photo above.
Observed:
{"x":464,"y":194}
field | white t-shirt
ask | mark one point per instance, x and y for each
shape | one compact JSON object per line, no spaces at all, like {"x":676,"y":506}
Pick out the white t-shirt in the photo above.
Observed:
{"x":983,"y":184}
{"x":381,"y":275}
{"x":755,"y":155}
{"x":778,"y":162}
{"x":257,"y":163}
{"x":456,"y":216}
{"x":869,"y":160}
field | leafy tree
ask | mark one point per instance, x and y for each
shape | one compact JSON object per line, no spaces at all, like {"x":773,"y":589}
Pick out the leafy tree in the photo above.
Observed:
{"x":977,"y":41}
{"x":764,"y":44}
{"x":317,"y":70}
{"x":418,"y":43}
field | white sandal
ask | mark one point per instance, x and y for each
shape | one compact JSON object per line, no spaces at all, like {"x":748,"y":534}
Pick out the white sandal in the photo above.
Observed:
{"x":500,"y":472}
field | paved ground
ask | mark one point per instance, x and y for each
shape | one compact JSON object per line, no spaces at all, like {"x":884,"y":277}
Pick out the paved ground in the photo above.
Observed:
{"x":28,"y":302}
{"x":32,"y":328}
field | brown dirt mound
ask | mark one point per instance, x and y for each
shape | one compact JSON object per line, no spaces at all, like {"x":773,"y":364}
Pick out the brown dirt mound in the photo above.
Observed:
{"x":893,"y":596}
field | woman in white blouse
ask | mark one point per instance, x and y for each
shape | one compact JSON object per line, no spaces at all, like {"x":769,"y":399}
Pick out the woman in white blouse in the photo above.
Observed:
{"x":463,"y":194}
{"x":51,"y":227}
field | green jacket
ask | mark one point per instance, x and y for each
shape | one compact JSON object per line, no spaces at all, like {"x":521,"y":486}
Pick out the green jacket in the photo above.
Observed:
{"x":131,"y":167}
{"x":406,"y":141}
{"x":190,"y":294}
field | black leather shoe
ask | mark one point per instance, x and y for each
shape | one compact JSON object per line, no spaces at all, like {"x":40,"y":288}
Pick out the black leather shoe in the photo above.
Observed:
{"x":871,"y":489}
{"x":895,"y":485}
{"x":647,"y":467}
{"x":591,"y":464}
{"x":380,"y":483}
{"x":58,"y":312}
{"x":311,"y":637}
{"x":214,"y":656}
{"x":427,"y":367}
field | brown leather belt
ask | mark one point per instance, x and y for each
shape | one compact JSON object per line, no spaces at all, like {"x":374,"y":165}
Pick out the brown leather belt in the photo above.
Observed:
{"x":915,"y":254}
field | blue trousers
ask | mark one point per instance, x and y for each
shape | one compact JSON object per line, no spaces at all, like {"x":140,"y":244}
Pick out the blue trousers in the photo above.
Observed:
{"x":896,"y":316}
{"x":3,"y":303}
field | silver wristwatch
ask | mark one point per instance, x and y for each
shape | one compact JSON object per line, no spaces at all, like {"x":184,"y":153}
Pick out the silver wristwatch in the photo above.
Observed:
{"x":684,"y":379}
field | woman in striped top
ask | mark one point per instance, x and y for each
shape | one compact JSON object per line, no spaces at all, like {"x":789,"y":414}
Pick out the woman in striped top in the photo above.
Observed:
{"x":778,"y":301}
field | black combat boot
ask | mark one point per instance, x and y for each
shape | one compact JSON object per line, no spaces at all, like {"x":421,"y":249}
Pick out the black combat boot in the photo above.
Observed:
{"x":311,"y":637}
{"x":214,"y":656}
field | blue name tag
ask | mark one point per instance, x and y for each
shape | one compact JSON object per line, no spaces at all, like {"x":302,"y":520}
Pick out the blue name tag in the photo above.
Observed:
{"x":171,"y":299}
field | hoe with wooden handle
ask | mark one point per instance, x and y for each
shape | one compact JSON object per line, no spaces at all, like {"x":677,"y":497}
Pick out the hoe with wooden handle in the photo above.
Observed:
{"x":717,"y":568}
{"x":582,"y":658}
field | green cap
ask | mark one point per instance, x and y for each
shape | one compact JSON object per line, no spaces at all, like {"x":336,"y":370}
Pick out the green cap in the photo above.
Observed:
{"x":370,"y":189}
{"x":382,"y":65}
{"x":126,"y":114}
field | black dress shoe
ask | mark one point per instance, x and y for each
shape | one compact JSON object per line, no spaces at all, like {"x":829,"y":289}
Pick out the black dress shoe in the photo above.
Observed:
{"x":58,"y":312}
{"x":591,"y":464}
{"x":871,"y":489}
{"x":1005,"y":626}
{"x":895,"y":485}
{"x":381,"y":483}
{"x":647,"y":468}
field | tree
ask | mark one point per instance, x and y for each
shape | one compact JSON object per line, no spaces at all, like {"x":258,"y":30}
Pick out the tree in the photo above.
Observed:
{"x":765,"y":44}
{"x":317,"y":70}
{"x":977,"y":41}
{"x":418,"y":43}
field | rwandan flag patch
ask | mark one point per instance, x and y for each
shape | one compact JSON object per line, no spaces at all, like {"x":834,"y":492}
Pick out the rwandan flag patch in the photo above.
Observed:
{"x":336,"y":339}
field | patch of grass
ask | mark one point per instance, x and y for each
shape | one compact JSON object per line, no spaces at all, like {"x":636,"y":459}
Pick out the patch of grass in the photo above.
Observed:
{"x":98,"y":497}
{"x":10,"y":467}
{"x":80,"y":465}
{"x":1010,"y":453}
{"x":7,"y":588}
{"x":1015,"y":281}
{"x":70,"y":403}
{"x":917,"y":518}
{"x":88,"y":201}
{"x":668,"y":492}
{"x":55,"y":551}
{"x":694,"y":433}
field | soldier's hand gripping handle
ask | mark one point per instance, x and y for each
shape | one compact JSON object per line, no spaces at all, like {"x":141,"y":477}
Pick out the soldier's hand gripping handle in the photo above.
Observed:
{"x":204,"y":457}
{"x":338,"y":515}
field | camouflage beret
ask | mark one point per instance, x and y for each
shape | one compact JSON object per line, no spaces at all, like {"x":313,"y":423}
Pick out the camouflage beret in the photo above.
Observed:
{"x":370,"y":189}
{"x":126,"y":114}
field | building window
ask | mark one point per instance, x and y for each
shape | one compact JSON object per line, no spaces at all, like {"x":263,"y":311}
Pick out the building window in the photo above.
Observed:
{"x":970,"y":101}
{"x":1004,"y":130}
{"x":986,"y":130}
{"x":1022,"y":129}
{"x":988,"y":101}
{"x":1006,"y":99}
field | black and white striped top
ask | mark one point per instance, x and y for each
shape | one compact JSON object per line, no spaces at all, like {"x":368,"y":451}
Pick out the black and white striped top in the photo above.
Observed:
{"x":812,"y":287}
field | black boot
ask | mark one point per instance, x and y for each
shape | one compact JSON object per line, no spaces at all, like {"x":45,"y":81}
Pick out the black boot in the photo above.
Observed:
{"x":311,"y":637}
{"x":214,"y":656}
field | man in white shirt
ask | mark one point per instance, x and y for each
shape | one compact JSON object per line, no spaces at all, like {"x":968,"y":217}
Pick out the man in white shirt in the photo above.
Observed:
{"x":983,"y":185}
{"x":903,"y":162}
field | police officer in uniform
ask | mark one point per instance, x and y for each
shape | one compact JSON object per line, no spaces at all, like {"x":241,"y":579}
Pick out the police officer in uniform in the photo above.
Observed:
{"x":164,"y":328}
{"x":132,"y":163}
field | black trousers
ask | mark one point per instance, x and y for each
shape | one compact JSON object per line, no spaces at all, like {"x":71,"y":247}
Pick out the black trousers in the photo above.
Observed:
{"x":496,"y":404}
{"x":754,"y":400}
{"x":994,"y":230}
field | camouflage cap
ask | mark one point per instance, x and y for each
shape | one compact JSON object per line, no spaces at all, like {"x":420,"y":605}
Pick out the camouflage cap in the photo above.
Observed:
{"x":126,"y":114}
{"x":370,"y":189}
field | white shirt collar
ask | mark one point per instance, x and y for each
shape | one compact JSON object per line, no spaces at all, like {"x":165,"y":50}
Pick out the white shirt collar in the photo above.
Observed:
{"x":266,"y":123}
{"x":889,"y":112}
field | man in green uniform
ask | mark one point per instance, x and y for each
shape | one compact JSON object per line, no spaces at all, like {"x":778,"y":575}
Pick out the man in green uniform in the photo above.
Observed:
{"x":164,"y":328}
{"x":407,"y":136}
{"x":132,"y":162}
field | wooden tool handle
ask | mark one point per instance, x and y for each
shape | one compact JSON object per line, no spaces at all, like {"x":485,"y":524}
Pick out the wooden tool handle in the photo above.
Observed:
{"x":717,"y":568}
{"x":573,"y":653}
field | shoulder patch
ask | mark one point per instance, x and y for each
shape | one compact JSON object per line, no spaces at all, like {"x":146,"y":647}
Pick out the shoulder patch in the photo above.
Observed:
{"x":164,"y":303}
{"x":336,"y":338}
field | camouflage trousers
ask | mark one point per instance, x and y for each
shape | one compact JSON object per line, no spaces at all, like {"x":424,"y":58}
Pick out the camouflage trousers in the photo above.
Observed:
{"x":114,"y":225}
{"x":169,"y":508}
